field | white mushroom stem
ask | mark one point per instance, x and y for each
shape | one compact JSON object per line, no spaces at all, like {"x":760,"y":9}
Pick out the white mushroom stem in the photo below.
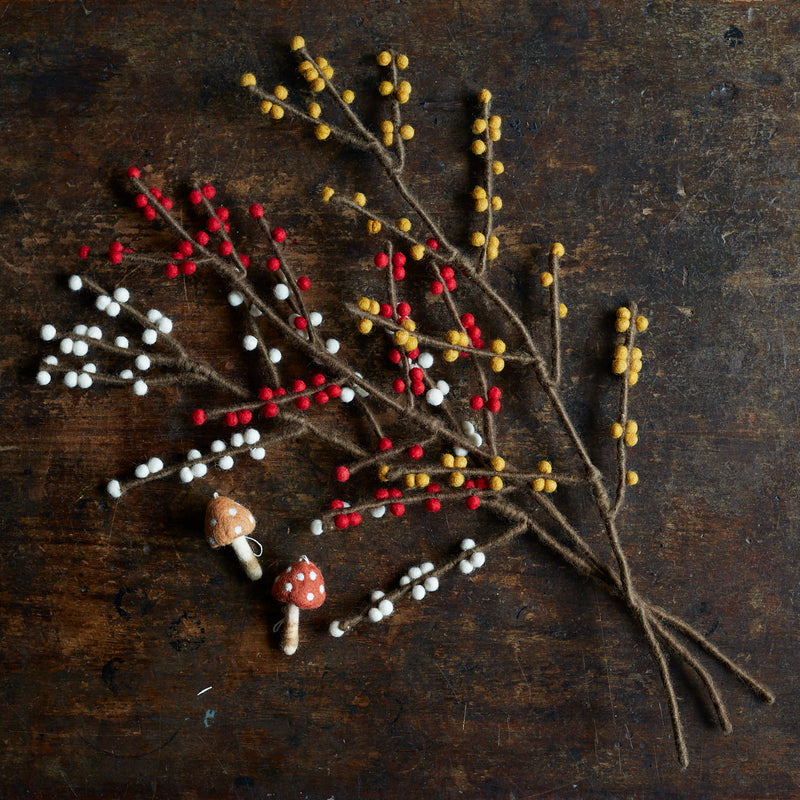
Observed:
{"x":247,"y":557}
{"x":291,"y":629}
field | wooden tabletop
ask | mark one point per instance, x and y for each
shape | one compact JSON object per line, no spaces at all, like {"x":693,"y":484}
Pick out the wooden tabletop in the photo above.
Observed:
{"x":658,"y":142}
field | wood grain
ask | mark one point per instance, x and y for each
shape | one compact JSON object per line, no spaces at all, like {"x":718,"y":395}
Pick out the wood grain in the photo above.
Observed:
{"x":656,"y":140}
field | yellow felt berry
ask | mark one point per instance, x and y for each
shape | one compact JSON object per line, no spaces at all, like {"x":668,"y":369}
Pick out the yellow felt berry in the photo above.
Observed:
{"x":491,"y":253}
{"x":387,"y":139}
{"x":479,"y":126}
{"x":401,"y":61}
{"x":364,"y":325}
{"x":460,"y":462}
{"x":484,"y":96}
{"x":546,"y":279}
{"x":306,"y":66}
{"x":248,"y":79}
{"x":363,"y":303}
{"x":348,"y":95}
{"x":478,"y":193}
{"x":616,"y":430}
{"x":322,"y":131}
{"x":265,"y":106}
{"x":450,"y":356}
{"x":631,"y":478}
{"x":276,"y":112}
{"x":641,"y":324}
{"x":297,"y":43}
{"x":327,"y":194}
{"x":409,"y":324}
{"x":631,"y":427}
{"x":545,"y":467}
{"x":410,"y":480}
{"x":314,"y":110}
{"x":631,"y":439}
{"x":383,"y":472}
{"x":557,"y":250}
{"x":384,"y":58}
{"x":321,"y":62}
{"x":497,"y":346}
{"x":550,"y":485}
{"x":495,"y":483}
{"x":417,"y":252}
{"x":636,"y":365}
{"x":411,"y":344}
{"x":495,"y":134}
{"x":463,"y":339}
{"x":456,"y":479}
{"x":621,"y":353}
{"x":495,"y":121}
{"x":447,"y":460}
{"x":498,"y":463}
{"x":385,"y":88}
{"x":482,"y":204}
{"x":403,"y":97}
{"x":374,"y":307}
{"x":281,"y":92}
{"x":633,"y":378}
{"x":622,"y":324}
{"x":623,"y":313}
{"x":494,"y":241}
{"x":497,"y":203}
{"x":317,"y":85}
{"x":373,"y":226}
{"x":359,"y":198}
{"x":477,"y":239}
{"x":387,"y":126}
{"x":538,"y":485}
{"x":404,"y":87}
{"x":636,"y":354}
{"x":619,"y":366}
{"x":478,"y":147}
{"x":498,"y":168}
{"x":328,"y":72}
{"x":407,"y":132}
{"x":452,"y":337}
{"x":401,"y":336}
{"x":497,"y":364}
{"x":562,"y":310}
{"x":404,"y":224}
{"x":310,"y":74}
{"x":423,"y":479}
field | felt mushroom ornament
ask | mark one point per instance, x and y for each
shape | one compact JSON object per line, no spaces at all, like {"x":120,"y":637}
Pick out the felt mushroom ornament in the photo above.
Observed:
{"x":299,"y":586}
{"x":228,"y":522}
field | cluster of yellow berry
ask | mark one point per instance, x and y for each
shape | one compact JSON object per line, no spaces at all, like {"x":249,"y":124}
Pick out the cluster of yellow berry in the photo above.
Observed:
{"x":313,"y":71}
{"x":543,"y":484}
{"x":623,"y":322}
{"x":478,"y":240}
{"x":631,"y":434}
{"x":482,"y":200}
{"x":404,"y":337}
{"x":620,"y":363}
{"x":373,"y":307}
{"x":416,"y":480}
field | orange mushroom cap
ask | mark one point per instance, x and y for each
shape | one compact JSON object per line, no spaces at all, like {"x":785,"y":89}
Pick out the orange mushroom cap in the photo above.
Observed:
{"x":227,"y":520}
{"x":301,"y":584}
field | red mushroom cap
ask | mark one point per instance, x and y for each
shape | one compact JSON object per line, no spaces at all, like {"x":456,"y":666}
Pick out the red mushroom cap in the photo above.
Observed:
{"x":301,"y":584}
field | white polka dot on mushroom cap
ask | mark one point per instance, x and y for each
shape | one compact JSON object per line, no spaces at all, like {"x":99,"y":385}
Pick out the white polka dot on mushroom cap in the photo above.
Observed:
{"x":237,"y":529}
{"x":310,"y":596}
{"x":232,"y":512}
{"x":300,"y":576}
{"x":322,"y":588}
{"x":312,"y":575}
{"x":252,"y":519}
{"x":212,"y":522}
{"x":287,"y":587}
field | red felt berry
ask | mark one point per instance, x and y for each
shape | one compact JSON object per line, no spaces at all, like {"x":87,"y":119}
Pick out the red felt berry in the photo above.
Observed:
{"x":474,"y":332}
{"x":385,"y":444}
{"x":476,"y":402}
{"x":188,"y":267}
{"x":222,"y":213}
{"x":382,"y":494}
{"x":140,"y":201}
{"x":231,"y":420}
{"x":478,"y":343}
{"x":133,"y":172}
{"x":403,"y":309}
{"x":412,"y":354}
{"x":318,"y":379}
{"x":166,"y":203}
{"x":213,"y":224}
{"x":270,"y":410}
{"x":256,"y":211}
{"x":301,"y":323}
{"x":495,"y":393}
{"x":354,"y":518}
{"x":493,"y":406}
{"x":225,"y":248}
{"x":298,"y":386}
{"x":469,"y":484}
{"x":399,"y":385}
{"x":386,"y":310}
{"x":415,"y":452}
{"x":198,"y":416}
{"x":303,"y":283}
{"x":432,"y":488}
{"x":447,"y":273}
{"x":416,"y":373}
{"x":433,"y":244}
{"x":451,"y":284}
{"x":245,"y":416}
{"x":473,"y":502}
{"x":381,"y":260}
{"x":208,"y":191}
{"x":398,"y":509}
{"x":279,"y":235}
{"x":280,"y":391}
{"x":195,"y":198}
{"x":302,"y":403}
{"x":341,"y":521}
{"x":467,"y":320}
{"x":417,"y":387}
{"x":171,"y":271}
{"x":155,"y":192}
{"x":149,"y":213}
{"x":342,"y":474}
{"x":320,"y":398}
{"x":394,"y":356}
{"x":437,"y":287}
{"x":265,"y":393}
{"x":395,"y":493}
{"x":115,"y":258}
{"x":273,"y":265}
{"x":398,"y":260}
{"x":335,"y":504}
{"x":398,"y":273}
{"x":186,"y":248}
{"x":432,"y":504}
{"x":334,"y":391}
{"x":84,"y":251}
{"x":115,"y":247}
{"x":226,"y":227}
{"x":245,"y":261}
{"x":482,"y":483}
{"x":202,"y":238}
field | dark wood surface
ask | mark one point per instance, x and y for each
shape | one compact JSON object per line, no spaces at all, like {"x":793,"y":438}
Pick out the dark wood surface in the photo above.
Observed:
{"x":663,"y":153}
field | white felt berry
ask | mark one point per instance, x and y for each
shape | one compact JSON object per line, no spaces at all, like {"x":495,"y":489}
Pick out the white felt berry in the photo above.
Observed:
{"x":465,"y":566}
{"x":258,"y":453}
{"x":431,"y":584}
{"x":193,"y":455}
{"x":112,"y":487}
{"x":71,"y":379}
{"x":467,"y":544}
{"x":378,"y":512}
{"x":476,"y":439}
{"x":386,"y":607}
{"x":375,"y":615}
{"x":165,"y":325}
{"x":237,"y":440}
{"x":122,"y":341}
{"x":142,"y":363}
{"x":102,"y":302}
{"x":84,"y":380}
{"x":141,"y":471}
{"x":226,"y":462}
{"x":443,"y":387}
{"x":361,"y":392}
{"x":418,"y":592}
{"x":76,"y":284}
{"x":149,"y":336}
{"x":52,"y":360}
{"x":155,"y":464}
{"x":199,"y":470}
{"x":425,"y":360}
{"x":316,"y":527}
{"x":217,"y":446}
{"x":80,"y":330}
{"x":154,"y":315}
{"x":376,"y":595}
{"x":66,"y":345}
{"x":347,"y":395}
{"x":255,"y":311}
{"x":94,"y":333}
{"x":434,"y":397}
{"x":414,"y":573}
{"x":186,"y":475}
{"x":467,"y":427}
{"x":275,"y":355}
{"x":335,"y":629}
{"x":332,"y":346}
{"x":459,"y":451}
{"x":90,"y":368}
{"x":281,"y":291}
{"x":315,"y":318}
{"x":80,"y":348}
{"x":235,"y":299}
{"x":405,"y":580}
{"x":113,"y":309}
{"x":426,"y":568}
{"x":251,"y":436}
{"x":477,"y":559}
{"x":43,"y":377}
{"x":122,"y":295}
{"x":140,"y":388}
{"x":126,"y":374}
{"x":249,"y":342}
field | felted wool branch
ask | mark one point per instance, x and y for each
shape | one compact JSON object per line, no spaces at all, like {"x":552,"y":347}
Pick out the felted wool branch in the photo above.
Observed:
{"x":427,"y":446}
